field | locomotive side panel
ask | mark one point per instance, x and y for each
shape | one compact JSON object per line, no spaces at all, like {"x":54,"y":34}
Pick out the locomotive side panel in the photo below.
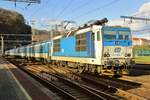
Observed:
{"x":79,"y":48}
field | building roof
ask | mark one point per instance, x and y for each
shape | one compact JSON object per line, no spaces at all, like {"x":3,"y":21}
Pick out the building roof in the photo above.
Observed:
{"x":146,"y":40}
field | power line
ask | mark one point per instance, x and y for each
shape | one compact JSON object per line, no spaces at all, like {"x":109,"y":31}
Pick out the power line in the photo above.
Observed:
{"x":66,"y":7}
{"x":142,"y":30}
{"x":26,"y":1}
{"x":98,"y":8}
{"x":16,"y":34}
{"x":53,"y":6}
{"x":80,"y":6}
{"x":43,"y":6}
{"x":17,"y":41}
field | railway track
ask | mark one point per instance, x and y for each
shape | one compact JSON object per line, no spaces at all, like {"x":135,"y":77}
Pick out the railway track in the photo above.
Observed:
{"x":67,"y":88}
{"x":109,"y":85}
{"x":114,"y":82}
{"x":102,"y":87}
{"x":111,"y":82}
{"x":91,"y":91}
{"x":97,"y":86}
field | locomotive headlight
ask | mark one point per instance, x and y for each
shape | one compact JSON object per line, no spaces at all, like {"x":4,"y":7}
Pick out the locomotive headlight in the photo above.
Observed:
{"x":106,"y":55}
{"x":127,"y":55}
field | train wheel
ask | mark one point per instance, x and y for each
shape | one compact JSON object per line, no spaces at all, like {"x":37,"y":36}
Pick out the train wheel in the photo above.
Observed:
{"x":89,"y":69}
{"x":45,"y":61}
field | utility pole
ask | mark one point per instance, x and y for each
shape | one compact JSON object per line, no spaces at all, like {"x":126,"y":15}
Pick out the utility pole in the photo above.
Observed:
{"x":131,"y":18}
{"x":2,"y":45}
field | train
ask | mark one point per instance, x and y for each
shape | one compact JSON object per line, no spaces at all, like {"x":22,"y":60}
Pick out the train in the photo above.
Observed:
{"x":94,"y":49}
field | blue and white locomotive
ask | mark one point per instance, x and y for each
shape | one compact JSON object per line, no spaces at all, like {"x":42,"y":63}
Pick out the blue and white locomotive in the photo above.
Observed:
{"x":97,"y":48}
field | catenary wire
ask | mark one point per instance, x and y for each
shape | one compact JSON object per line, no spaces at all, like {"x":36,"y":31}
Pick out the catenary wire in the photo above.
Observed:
{"x":93,"y":10}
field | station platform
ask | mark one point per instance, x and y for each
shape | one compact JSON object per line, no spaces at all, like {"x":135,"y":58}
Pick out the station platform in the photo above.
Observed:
{"x":17,"y":85}
{"x":10,"y":88}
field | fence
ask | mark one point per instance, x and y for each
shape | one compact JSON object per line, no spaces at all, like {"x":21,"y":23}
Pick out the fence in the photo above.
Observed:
{"x":141,"y":52}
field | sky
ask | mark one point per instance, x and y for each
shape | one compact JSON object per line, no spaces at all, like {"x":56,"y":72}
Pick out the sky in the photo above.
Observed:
{"x":82,"y":11}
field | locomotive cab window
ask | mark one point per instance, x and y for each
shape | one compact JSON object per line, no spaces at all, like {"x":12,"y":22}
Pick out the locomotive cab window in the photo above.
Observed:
{"x":120,"y":37}
{"x":125,"y":35}
{"x":81,"y":42}
{"x":109,"y":35}
{"x":98,"y":36}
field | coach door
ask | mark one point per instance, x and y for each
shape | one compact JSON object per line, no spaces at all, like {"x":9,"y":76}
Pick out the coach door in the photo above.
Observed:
{"x":90,"y":44}
{"x":49,"y":50}
{"x":41,"y":51}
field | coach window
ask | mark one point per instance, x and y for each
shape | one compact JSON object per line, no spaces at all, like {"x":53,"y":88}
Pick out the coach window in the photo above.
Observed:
{"x":98,"y":36}
{"x":56,"y":45}
{"x":32,"y":49}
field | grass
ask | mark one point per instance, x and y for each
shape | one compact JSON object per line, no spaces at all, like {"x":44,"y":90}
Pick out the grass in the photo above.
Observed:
{"x":142,"y":59}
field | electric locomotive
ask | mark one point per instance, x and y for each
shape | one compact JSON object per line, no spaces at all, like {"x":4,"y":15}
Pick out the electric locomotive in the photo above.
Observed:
{"x":100,"y":49}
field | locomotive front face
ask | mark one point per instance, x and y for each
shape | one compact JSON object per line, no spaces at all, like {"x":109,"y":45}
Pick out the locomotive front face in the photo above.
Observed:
{"x":117,"y":46}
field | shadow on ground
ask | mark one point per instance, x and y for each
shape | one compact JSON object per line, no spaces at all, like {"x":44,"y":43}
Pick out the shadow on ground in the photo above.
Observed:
{"x":140,"y":69}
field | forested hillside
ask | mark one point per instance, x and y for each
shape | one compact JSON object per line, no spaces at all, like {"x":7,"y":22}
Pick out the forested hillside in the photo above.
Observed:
{"x":12,"y":22}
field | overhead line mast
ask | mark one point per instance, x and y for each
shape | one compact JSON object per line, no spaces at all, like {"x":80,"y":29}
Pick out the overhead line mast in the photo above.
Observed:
{"x":25,"y":1}
{"x":135,"y":18}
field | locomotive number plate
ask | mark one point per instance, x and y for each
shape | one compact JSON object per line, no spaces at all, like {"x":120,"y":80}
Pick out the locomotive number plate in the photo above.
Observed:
{"x":117,"y":50}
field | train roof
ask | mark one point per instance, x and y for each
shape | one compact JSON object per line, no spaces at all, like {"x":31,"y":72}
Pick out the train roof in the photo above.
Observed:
{"x":113,"y":28}
{"x":116,"y":26}
{"x":41,"y":42}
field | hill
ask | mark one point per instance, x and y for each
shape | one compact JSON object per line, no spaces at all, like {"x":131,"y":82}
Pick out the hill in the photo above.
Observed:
{"x":12,"y":22}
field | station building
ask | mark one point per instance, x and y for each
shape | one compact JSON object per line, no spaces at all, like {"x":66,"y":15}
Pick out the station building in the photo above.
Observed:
{"x":140,"y":41}
{"x":141,"y":47}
